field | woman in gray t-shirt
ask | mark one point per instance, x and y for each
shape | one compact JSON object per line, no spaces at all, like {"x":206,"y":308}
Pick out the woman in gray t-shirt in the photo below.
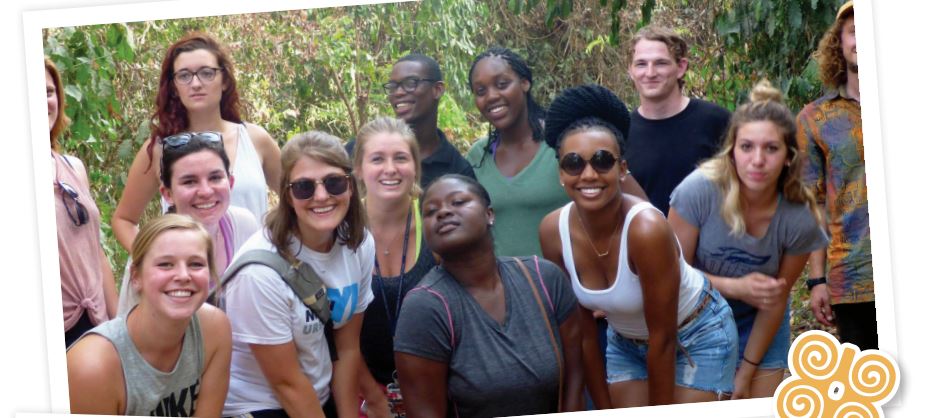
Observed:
{"x":745,"y":219}
{"x":481,"y":335}
{"x":169,"y":356}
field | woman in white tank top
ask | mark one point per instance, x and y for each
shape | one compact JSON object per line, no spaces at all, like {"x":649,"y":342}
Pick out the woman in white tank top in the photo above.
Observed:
{"x":198,"y":93}
{"x":657,"y":305}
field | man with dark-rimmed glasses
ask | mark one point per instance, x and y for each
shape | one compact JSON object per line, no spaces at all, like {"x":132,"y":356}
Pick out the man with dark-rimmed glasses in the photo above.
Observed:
{"x":414,"y":89}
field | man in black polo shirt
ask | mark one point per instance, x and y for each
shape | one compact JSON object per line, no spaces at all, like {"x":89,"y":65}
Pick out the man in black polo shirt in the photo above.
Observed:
{"x":414,"y":88}
{"x":670,"y":133}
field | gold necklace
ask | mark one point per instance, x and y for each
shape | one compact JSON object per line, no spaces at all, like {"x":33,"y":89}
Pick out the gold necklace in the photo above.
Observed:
{"x":589,"y":237}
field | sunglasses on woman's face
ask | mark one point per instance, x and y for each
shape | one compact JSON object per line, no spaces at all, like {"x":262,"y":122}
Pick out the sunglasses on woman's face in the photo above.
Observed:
{"x":573,"y":164}
{"x":179,"y":140}
{"x":80,"y":215}
{"x":334,"y":184}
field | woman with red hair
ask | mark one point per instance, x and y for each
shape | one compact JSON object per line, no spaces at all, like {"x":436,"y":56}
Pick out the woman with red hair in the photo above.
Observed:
{"x":198,"y":93}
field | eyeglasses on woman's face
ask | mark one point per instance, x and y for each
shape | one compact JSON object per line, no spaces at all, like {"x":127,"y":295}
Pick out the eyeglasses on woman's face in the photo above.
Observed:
{"x":205,"y":74}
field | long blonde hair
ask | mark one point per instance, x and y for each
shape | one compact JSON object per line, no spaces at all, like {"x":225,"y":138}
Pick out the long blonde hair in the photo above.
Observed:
{"x":282,"y":222}
{"x":765,"y":105}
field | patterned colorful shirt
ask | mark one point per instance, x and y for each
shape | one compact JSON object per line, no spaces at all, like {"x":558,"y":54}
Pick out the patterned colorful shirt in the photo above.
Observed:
{"x":830,"y":135}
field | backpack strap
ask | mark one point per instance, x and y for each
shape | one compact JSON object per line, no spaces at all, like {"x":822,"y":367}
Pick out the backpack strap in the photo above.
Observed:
{"x":300,"y":277}
{"x":546,"y":321}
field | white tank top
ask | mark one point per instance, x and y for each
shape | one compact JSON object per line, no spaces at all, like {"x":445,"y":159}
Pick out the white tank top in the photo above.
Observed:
{"x":250,"y":190}
{"x":623,"y":303}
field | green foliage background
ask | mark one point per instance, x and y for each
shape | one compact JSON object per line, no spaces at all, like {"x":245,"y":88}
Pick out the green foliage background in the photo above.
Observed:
{"x":323,"y":68}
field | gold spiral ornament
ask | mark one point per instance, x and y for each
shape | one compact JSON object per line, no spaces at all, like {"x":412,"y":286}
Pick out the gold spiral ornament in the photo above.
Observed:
{"x":814,"y":356}
{"x":873,"y":376}
{"x":799,"y":400}
{"x":829,"y":379}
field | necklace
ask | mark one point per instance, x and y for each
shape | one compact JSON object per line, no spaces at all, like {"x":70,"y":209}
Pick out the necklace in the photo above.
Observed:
{"x":589,"y":237}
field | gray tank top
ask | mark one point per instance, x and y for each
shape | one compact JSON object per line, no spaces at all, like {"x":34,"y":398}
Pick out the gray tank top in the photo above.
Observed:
{"x":151,"y":392}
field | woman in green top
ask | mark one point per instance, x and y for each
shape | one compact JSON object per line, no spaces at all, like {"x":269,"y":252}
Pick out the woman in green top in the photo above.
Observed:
{"x":513,"y":163}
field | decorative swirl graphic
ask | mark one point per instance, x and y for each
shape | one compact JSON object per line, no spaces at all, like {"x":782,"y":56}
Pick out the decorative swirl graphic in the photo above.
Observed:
{"x":835,"y":380}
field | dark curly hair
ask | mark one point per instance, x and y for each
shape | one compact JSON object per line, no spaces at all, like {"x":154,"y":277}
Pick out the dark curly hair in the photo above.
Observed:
{"x":832,"y":67}
{"x":585,"y":107}
{"x":535,"y":113}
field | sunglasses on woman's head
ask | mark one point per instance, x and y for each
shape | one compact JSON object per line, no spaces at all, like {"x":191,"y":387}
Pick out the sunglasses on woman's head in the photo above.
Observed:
{"x":334,"y":184}
{"x":80,"y":217}
{"x":573,"y":164}
{"x":181,"y":139}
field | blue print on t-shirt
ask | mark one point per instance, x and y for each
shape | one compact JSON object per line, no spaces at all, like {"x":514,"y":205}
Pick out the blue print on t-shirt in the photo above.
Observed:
{"x":736,"y":255}
{"x":344,"y":302}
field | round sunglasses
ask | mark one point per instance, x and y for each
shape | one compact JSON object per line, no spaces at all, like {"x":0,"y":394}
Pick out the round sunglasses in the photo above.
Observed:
{"x":334,"y":184}
{"x":573,"y":164}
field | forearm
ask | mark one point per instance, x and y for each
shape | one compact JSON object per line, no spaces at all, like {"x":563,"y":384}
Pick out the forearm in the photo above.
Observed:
{"x":727,"y":286}
{"x":594,"y":369}
{"x":370,"y":389}
{"x":108,"y":286}
{"x":344,"y":381}
{"x":298,"y":397}
{"x":661,"y":361}
{"x":124,"y":231}
{"x":816,"y":263}
{"x":763,"y":332}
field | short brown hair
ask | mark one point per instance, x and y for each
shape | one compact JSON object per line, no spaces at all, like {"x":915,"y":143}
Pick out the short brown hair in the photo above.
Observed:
{"x":675,"y":44}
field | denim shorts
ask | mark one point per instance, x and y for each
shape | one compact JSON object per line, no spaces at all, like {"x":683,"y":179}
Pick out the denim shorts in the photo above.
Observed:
{"x":776,"y":356}
{"x":706,"y":350}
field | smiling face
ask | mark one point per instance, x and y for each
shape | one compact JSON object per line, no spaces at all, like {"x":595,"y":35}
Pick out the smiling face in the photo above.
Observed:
{"x":388,"y":168}
{"x":199,"y":187}
{"x":322,"y":213}
{"x":454,"y":218}
{"x":52,"y":101}
{"x":849,"y":44}
{"x":654,"y":71}
{"x":420,"y":104}
{"x":173,"y":277}
{"x":499,"y":92}
{"x":760,"y":155}
{"x":591,"y":190}
{"x":199,"y":94}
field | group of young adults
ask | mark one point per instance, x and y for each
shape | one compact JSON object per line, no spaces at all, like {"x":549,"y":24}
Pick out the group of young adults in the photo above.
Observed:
{"x":466,"y":286}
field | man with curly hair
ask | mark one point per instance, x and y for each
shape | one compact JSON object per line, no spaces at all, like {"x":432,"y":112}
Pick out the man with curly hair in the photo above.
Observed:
{"x":830,"y":135}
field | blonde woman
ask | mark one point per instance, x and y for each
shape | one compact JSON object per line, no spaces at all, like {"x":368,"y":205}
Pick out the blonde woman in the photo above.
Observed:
{"x":170,"y":355}
{"x":745,"y":219}
{"x":386,"y":162}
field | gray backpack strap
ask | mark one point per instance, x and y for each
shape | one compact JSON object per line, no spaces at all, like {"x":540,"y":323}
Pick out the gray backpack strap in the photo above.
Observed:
{"x":301,"y":278}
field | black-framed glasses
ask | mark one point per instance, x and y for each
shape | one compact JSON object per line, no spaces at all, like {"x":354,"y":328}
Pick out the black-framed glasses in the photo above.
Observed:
{"x":573,"y":164}
{"x":206,"y":74}
{"x":409,"y":84}
{"x":334,"y":184}
{"x":181,"y":139}
{"x":79,"y":215}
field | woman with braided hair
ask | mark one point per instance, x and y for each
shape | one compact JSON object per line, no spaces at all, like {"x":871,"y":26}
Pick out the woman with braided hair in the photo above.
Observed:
{"x":671,"y":337}
{"x":514,"y":163}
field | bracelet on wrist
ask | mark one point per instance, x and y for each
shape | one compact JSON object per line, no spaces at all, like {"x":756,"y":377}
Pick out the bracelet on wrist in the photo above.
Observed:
{"x":749,"y":361}
{"x":811,"y":283}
